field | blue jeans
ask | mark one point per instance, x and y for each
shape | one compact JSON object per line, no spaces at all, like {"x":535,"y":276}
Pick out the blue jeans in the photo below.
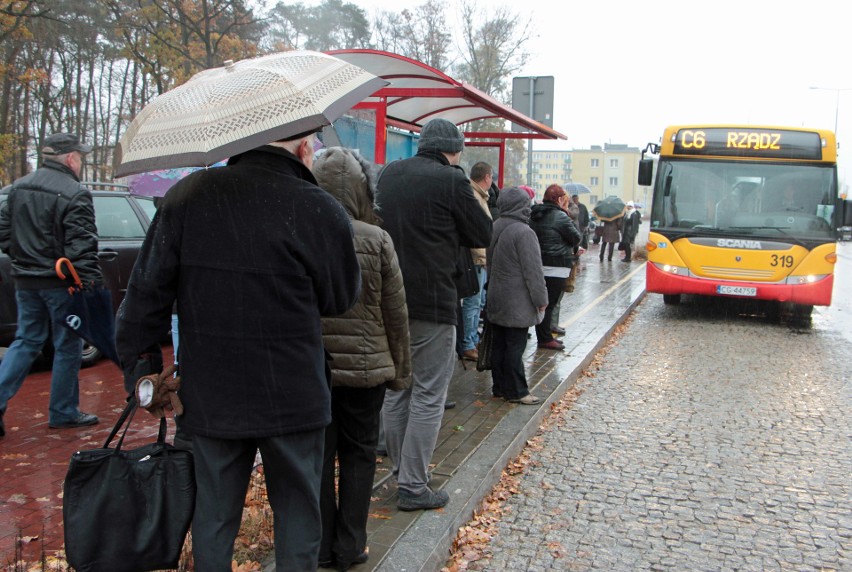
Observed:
{"x":37,"y":311}
{"x":471,"y":307}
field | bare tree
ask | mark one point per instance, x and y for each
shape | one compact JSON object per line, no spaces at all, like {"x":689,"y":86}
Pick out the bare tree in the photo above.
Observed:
{"x":421,"y":34}
{"x":494,"y":51}
{"x":494,"y":47}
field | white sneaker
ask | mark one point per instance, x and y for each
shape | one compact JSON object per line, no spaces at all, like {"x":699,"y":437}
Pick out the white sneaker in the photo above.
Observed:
{"x":528,"y":399}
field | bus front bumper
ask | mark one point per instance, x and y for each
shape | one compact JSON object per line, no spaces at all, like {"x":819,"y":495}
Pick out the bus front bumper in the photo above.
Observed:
{"x":817,"y":293}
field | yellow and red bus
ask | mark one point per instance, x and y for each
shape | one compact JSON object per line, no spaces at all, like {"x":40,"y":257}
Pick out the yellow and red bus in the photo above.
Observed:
{"x":743,"y":211}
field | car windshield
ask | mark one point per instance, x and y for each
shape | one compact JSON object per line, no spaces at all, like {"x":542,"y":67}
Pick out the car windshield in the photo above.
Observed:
{"x":745,"y":198}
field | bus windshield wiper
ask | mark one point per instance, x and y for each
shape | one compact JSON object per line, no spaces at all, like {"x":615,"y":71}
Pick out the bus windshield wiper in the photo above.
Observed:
{"x":782,"y":229}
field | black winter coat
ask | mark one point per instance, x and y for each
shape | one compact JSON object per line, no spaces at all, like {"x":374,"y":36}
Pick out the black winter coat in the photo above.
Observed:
{"x":557,"y":234}
{"x":49,"y":215}
{"x":429,"y":209}
{"x":254,"y":252}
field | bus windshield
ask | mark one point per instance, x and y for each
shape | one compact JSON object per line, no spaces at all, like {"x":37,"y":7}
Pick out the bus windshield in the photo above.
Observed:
{"x":744,"y":198}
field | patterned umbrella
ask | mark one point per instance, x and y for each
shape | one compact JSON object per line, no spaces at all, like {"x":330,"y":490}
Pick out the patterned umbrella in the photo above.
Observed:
{"x":225,"y":111}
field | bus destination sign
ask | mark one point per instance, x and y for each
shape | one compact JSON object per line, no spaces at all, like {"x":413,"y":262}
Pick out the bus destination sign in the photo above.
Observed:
{"x":739,"y":142}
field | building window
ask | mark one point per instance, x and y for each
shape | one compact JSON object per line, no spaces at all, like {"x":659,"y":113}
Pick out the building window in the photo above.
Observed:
{"x":613,"y":181}
{"x":593,"y":181}
{"x":613,"y":162}
{"x":595,"y":163}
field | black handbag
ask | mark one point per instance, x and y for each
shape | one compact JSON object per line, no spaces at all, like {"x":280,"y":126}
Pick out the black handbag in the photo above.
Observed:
{"x":486,"y":344}
{"x":128,"y":510}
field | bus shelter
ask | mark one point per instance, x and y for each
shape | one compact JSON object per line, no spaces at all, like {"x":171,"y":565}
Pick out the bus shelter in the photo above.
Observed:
{"x":417,"y":93}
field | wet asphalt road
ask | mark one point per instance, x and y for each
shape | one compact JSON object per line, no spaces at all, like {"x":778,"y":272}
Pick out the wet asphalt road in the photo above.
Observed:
{"x":710,"y":439}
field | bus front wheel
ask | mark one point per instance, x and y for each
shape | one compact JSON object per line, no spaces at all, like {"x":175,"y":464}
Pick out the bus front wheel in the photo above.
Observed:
{"x":802,"y":311}
{"x":671,"y":299}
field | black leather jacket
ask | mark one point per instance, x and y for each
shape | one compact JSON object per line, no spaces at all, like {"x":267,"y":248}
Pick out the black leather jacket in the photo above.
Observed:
{"x":557,"y":234}
{"x":49,"y":215}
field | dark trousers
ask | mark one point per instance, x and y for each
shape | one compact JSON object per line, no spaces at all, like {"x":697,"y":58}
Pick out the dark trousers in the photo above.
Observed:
{"x":351,"y":439}
{"x":555,"y":287}
{"x":507,"y":362}
{"x":292,"y":465}
{"x":603,"y":247}
{"x":627,"y":251}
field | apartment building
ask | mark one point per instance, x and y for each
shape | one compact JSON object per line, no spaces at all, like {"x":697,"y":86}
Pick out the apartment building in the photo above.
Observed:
{"x":608,"y":170}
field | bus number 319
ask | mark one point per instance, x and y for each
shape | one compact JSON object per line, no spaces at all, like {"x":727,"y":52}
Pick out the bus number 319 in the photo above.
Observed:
{"x":782,"y":261}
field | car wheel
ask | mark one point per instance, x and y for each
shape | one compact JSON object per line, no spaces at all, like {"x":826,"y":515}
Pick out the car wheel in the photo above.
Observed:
{"x":91,"y":355}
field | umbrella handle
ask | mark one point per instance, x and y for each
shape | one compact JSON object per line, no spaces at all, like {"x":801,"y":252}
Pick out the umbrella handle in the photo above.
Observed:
{"x":70,"y":268}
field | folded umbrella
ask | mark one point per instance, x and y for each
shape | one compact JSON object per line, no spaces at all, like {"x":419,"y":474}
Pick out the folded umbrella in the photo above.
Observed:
{"x":89,"y":313}
{"x":229,"y":110}
{"x":609,"y":208}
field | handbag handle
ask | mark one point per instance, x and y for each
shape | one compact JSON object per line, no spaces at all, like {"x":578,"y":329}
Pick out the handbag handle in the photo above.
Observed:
{"x":127,"y":415}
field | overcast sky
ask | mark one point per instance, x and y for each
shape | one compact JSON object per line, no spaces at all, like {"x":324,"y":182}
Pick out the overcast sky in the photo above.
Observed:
{"x":625,"y":69}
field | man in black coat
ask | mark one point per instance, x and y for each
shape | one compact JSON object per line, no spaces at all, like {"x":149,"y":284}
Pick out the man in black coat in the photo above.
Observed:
{"x":254,"y":253}
{"x":49,"y":215}
{"x":429,"y":209}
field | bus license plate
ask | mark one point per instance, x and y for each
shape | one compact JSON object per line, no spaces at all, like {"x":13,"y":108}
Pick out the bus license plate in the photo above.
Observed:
{"x":736,"y":290}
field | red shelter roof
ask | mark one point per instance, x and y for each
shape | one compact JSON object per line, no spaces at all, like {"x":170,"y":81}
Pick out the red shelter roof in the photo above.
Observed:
{"x":418,"y":93}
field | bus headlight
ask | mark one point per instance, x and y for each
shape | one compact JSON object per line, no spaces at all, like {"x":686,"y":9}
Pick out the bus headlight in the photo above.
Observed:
{"x":672,"y":269}
{"x":807,"y":279}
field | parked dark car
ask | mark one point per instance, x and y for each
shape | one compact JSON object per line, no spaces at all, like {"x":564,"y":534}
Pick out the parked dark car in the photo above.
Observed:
{"x":122,"y":220}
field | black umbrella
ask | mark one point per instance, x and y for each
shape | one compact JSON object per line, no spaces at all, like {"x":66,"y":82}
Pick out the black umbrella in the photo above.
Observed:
{"x":609,"y":208}
{"x":89,"y":313}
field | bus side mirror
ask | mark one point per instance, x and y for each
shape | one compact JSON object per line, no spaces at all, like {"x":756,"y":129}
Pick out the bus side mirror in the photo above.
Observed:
{"x":646,"y":172}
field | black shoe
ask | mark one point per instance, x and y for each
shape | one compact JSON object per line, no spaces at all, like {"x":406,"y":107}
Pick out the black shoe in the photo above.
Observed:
{"x":2,"y":427}
{"x":360,"y":559}
{"x":326,"y":563}
{"x":449,"y":404}
{"x":426,"y":500}
{"x":82,"y":420}
{"x":558,"y":331}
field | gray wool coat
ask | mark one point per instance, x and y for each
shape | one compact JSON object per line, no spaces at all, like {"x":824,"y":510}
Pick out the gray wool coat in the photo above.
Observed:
{"x":515,"y":277}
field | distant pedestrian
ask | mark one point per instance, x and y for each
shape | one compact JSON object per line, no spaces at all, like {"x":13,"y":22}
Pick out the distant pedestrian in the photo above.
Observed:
{"x":557,"y":237}
{"x":429,"y":210}
{"x":610,"y":236}
{"x":517,"y":295}
{"x":370,"y":350}
{"x":629,"y":229}
{"x":582,"y":221}
{"x":255,"y":253}
{"x":480,"y":180}
{"x":49,"y":215}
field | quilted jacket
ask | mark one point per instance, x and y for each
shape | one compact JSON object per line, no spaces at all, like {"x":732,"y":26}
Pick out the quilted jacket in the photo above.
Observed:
{"x":370,"y":343}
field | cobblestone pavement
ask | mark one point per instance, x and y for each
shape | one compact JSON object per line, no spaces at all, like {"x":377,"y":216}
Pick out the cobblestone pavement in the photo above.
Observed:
{"x":706,"y":441}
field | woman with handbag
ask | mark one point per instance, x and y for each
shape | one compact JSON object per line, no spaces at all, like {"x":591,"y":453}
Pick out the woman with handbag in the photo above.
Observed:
{"x":557,"y":237}
{"x":370,"y":350}
{"x":517,"y":295}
